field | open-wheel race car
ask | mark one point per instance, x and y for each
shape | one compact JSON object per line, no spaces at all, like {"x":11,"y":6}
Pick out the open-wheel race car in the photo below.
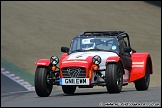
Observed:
{"x":95,"y":58}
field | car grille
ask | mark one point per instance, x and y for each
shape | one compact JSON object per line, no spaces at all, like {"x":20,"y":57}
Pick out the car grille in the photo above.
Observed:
{"x":74,"y":72}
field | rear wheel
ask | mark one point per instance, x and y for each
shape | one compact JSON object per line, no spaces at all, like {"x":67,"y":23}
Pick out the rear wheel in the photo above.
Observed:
{"x":114,"y":77}
{"x":143,"y":83}
{"x":68,"y":89}
{"x":43,"y":86}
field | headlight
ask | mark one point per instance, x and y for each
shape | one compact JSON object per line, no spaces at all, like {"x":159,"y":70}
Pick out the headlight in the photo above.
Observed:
{"x":96,"y":59}
{"x":54,"y":60}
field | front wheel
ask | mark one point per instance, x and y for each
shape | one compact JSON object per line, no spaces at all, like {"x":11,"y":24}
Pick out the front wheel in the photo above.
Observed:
{"x":114,"y":77}
{"x":68,"y":89}
{"x":143,"y":83}
{"x":43,"y":86}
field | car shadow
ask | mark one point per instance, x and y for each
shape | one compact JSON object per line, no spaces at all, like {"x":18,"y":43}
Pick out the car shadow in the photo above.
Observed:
{"x":85,"y":92}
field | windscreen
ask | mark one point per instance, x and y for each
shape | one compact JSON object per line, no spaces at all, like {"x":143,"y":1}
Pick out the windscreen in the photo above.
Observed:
{"x":91,"y":43}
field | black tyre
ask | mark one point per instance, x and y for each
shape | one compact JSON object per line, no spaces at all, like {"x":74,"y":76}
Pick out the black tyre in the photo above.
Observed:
{"x":143,"y":83}
{"x":114,"y":77}
{"x":68,"y":89}
{"x":43,"y":87}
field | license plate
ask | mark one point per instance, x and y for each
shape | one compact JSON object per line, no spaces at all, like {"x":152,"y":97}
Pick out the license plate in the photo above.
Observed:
{"x":74,"y":81}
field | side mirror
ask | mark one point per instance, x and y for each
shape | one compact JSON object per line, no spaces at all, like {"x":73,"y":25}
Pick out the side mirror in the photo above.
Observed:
{"x":134,"y":51}
{"x":65,"y":49}
{"x":127,"y":49}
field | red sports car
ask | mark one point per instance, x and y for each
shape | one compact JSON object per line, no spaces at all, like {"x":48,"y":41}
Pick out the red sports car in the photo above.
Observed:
{"x":95,"y":58}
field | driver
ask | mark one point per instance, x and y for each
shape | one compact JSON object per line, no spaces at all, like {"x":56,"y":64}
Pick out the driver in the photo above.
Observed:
{"x":87,"y":44}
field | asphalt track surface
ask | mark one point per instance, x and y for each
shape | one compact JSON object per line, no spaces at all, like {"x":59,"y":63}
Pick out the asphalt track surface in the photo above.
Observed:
{"x":8,"y":85}
{"x":33,"y":30}
{"x":85,"y":98}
